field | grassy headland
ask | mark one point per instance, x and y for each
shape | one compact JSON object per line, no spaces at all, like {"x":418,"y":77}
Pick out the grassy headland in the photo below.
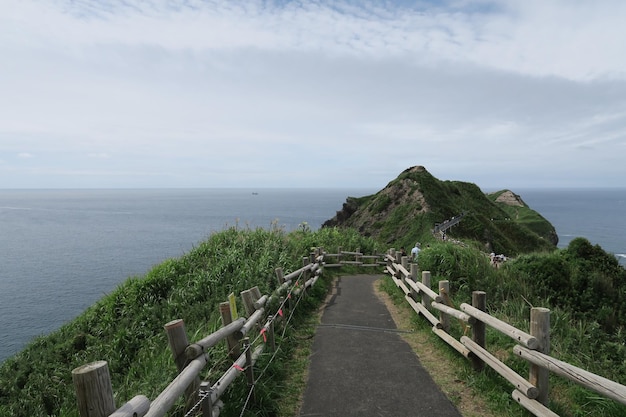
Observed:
{"x":583,"y":286}
{"x":125,"y":328}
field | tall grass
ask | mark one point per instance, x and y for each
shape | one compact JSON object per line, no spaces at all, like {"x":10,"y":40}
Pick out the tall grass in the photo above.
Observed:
{"x":585,"y":289}
{"x":125,"y":328}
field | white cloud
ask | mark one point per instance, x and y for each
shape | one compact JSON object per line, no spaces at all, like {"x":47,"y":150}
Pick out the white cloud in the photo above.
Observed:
{"x":228,"y":94}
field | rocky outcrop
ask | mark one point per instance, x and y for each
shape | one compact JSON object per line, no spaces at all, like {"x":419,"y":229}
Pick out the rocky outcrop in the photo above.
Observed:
{"x":510,"y":199}
{"x":410,"y":206}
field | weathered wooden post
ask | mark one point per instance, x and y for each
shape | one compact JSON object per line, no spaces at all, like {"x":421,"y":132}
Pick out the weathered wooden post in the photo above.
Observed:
{"x":205,"y":395}
{"x":404,"y":260}
{"x":280,"y":276}
{"x":414,"y":274}
{"x":479,"y":301}
{"x":233,"y":346}
{"x":178,"y":342}
{"x":177,"y":339}
{"x":444,"y":291}
{"x":94,"y":391}
{"x":307,"y":273}
{"x":426,"y":282}
{"x":540,"y":329}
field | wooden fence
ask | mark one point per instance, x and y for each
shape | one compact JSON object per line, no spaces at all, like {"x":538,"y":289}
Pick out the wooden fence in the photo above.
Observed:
{"x":343,"y":258}
{"x":92,"y":382}
{"x":95,"y":394}
{"x":532,"y":392}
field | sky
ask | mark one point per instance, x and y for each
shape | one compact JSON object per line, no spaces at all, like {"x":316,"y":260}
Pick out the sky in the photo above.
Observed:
{"x":311,"y":94}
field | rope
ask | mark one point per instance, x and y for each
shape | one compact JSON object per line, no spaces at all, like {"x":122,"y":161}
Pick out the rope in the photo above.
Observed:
{"x":203,"y":395}
{"x":252,"y":387}
{"x":197,"y":405}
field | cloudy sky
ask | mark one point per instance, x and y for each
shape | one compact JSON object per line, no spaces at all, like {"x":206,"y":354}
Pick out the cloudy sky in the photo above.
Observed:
{"x":208,"y":93}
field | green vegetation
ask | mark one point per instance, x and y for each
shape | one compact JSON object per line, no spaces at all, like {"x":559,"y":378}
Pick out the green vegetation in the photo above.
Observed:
{"x":582,"y":285}
{"x":408,"y":208}
{"x":524,"y":215}
{"x":125,"y":328}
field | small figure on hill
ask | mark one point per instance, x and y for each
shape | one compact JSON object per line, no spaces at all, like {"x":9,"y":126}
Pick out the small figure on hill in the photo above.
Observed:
{"x":402,"y":251}
{"x":415,"y":252}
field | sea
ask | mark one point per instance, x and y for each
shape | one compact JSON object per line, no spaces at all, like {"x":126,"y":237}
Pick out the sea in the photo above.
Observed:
{"x":62,"y":250}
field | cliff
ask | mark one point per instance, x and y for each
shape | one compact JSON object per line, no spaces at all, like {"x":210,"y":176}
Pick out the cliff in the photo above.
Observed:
{"x":410,"y":207}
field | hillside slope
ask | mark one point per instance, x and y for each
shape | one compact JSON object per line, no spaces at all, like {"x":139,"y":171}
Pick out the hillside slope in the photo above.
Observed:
{"x":410,"y":206}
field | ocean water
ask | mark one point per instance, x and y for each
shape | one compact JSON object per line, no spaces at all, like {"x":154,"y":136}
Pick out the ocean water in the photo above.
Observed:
{"x":62,"y":250}
{"x":596,"y":214}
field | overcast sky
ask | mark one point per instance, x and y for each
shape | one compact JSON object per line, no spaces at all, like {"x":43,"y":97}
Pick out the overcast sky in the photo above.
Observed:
{"x":192,"y":93}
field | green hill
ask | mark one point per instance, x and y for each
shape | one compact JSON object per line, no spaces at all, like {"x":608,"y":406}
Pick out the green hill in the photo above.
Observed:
{"x":125,"y":327}
{"x":410,"y":206}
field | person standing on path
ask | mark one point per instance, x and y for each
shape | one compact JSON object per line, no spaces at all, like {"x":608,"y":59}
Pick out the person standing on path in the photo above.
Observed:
{"x":415,"y":252}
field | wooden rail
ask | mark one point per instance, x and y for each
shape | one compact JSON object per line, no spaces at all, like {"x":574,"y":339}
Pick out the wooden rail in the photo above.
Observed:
{"x":532,"y":392}
{"x":95,"y":394}
{"x":343,"y":258}
{"x":92,"y":382}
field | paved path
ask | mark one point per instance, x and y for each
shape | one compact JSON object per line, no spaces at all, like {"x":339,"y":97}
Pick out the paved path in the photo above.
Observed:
{"x":361,"y":366}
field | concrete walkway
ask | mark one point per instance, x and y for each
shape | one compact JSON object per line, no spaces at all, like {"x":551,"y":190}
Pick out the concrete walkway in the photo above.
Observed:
{"x":361,"y":366}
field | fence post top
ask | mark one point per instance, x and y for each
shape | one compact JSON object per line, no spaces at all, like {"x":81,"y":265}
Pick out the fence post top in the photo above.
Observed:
{"x":89,"y":367}
{"x":174,"y":323}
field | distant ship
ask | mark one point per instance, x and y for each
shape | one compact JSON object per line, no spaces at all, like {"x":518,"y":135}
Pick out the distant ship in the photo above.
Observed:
{"x":254,"y":193}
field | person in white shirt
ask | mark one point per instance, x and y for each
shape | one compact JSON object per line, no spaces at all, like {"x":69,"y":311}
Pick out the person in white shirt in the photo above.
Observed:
{"x":415,"y":252}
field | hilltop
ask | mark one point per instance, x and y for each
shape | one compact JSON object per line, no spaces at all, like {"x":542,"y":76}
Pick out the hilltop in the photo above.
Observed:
{"x":410,"y":206}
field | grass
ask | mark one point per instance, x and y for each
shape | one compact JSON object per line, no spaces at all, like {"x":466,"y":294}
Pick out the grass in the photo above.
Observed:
{"x":125,"y":328}
{"x":586,"y":339}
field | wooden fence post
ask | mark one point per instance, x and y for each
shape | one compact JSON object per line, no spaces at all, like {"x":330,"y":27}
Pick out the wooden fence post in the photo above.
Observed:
{"x":231,"y":341}
{"x":207,"y":404}
{"x":94,"y":392}
{"x":248,"y":301}
{"x":177,"y":339}
{"x":479,"y":301}
{"x":307,"y":273}
{"x":414,"y":273}
{"x":444,"y":292}
{"x":280,"y":276}
{"x":178,"y":342}
{"x":426,"y":282}
{"x":540,"y":329}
